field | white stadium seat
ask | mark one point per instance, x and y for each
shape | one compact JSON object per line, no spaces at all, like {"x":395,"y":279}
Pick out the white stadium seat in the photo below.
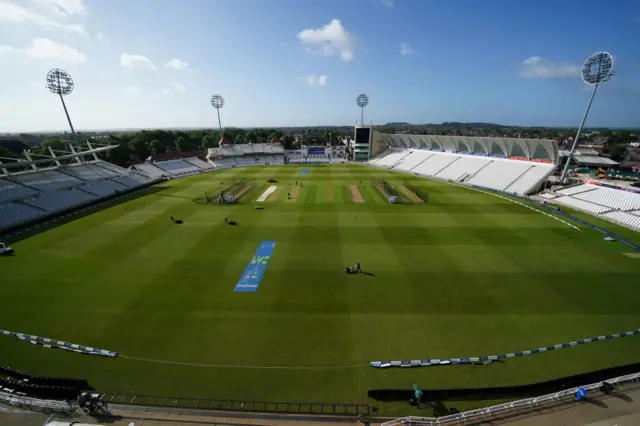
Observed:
{"x":465,"y":165}
{"x":500,"y":174}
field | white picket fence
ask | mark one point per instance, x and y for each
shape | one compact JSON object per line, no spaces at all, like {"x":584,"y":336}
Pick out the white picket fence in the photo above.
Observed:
{"x":507,"y":406}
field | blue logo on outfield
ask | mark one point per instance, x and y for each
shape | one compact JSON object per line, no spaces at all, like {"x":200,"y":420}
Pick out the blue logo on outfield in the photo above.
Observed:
{"x":305,"y":171}
{"x":252,"y":276}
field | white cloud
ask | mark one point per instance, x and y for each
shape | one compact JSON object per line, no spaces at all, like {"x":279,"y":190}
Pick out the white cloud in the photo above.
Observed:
{"x":6,"y":50}
{"x":387,"y":3}
{"x":177,"y":64}
{"x":47,"y":14}
{"x":65,"y":7}
{"x":138,"y":62}
{"x":405,"y":49}
{"x":178,"y":87}
{"x":133,"y":90}
{"x":330,"y":40}
{"x":103,"y":39}
{"x":537,"y":67}
{"x":317,"y":80}
{"x":44,"y":48}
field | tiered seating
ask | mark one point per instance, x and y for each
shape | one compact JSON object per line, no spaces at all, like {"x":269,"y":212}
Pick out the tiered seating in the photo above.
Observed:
{"x":246,"y":148}
{"x":177,"y":167}
{"x":571,"y":190}
{"x":581,"y":205}
{"x":88,"y":172}
{"x":519,"y":177}
{"x":530,"y":179}
{"x":466,"y":165}
{"x":151,"y":170}
{"x":231,"y":150}
{"x":259,"y":148}
{"x":374,"y":161}
{"x":500,"y":174}
{"x":435,"y":164}
{"x":624,"y":218}
{"x":412,"y":160}
{"x":60,"y":200}
{"x":612,"y":198}
{"x":15,"y":213}
{"x":392,"y":158}
{"x":112,"y":167}
{"x":10,"y":191}
{"x":53,"y":190}
{"x":103,"y":188}
{"x":222,"y":162}
{"x":278,"y":149}
{"x":132,"y":179}
{"x":46,"y":181}
{"x":199,"y":163}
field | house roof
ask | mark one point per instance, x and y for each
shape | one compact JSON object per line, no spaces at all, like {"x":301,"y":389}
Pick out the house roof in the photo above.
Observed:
{"x":590,"y":160}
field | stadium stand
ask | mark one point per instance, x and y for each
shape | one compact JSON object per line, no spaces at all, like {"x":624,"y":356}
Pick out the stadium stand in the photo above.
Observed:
{"x":105,"y":187}
{"x":151,"y":170}
{"x":227,"y":155}
{"x":60,"y":200}
{"x":199,"y":163}
{"x":46,"y":180}
{"x":517,"y":166}
{"x":88,"y":172}
{"x":10,"y":191}
{"x":177,"y":167}
{"x":13,"y":213}
{"x":31,"y":195}
{"x":611,"y":204}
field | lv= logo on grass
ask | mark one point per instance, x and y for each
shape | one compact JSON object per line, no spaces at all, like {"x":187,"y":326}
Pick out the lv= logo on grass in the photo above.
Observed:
{"x":252,"y":275}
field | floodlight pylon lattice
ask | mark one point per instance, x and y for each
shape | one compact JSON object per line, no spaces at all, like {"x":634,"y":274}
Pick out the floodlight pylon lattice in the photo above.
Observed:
{"x":597,"y":69}
{"x":59,"y":82}
{"x":217,"y":101}
{"x":362,"y":100}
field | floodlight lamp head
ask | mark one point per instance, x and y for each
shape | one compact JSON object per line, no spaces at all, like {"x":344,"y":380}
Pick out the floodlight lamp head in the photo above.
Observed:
{"x":217,"y":101}
{"x":362,"y":100}
{"x":59,"y":82}
{"x":597,"y":68}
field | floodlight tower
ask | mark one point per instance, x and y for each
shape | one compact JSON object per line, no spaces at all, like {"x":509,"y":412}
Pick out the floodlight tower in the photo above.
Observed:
{"x":60,"y":83}
{"x":217,"y":101}
{"x":362,"y":100}
{"x":596,"y":69}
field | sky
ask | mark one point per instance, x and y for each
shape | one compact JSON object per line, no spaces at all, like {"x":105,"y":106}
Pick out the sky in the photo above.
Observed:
{"x":156,"y":63}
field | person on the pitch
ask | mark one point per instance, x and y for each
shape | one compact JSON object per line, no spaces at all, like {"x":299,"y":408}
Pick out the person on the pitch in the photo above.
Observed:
{"x":172,"y":219}
{"x":358,"y":269}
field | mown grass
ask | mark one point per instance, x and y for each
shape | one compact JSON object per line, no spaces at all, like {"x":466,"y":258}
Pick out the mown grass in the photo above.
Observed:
{"x":466,"y":274}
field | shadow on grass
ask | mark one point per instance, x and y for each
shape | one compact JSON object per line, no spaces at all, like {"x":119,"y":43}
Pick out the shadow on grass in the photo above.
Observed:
{"x":50,"y":222}
{"x":506,"y":392}
{"x":369,"y":274}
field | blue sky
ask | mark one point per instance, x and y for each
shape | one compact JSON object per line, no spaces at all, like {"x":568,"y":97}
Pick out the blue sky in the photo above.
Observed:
{"x":156,"y":63}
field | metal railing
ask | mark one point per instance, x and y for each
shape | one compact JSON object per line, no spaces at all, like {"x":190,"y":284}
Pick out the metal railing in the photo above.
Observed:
{"x":35,"y":404}
{"x":245,"y":406}
{"x":508,"y":406}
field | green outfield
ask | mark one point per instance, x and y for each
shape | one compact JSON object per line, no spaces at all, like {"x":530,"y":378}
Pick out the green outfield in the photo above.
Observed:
{"x":465,"y":274}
